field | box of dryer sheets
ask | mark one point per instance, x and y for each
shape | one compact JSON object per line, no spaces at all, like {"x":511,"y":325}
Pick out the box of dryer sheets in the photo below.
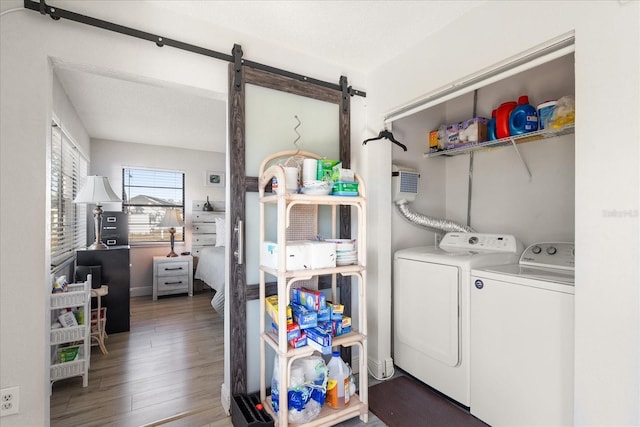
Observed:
{"x":271,"y":307}
{"x":313,"y":300}
{"x":303,"y":316}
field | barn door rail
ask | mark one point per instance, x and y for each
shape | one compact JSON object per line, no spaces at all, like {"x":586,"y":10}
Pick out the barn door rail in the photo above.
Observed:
{"x":56,"y":14}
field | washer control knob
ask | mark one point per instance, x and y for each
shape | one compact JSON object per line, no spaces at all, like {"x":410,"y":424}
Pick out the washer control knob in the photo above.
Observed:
{"x":551,"y":250}
{"x":473,"y":240}
{"x":536,"y":249}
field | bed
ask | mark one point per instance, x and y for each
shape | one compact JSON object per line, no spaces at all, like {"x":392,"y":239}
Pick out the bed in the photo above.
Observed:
{"x":210,"y":269}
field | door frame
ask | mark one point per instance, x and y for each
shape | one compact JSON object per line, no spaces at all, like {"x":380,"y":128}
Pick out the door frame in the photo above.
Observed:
{"x":239,"y":292}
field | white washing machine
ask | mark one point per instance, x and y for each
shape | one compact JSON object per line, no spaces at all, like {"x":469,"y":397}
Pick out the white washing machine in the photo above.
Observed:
{"x":431,"y":306}
{"x":522,"y":339}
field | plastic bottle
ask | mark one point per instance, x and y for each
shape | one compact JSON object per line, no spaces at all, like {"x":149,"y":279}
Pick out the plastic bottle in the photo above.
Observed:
{"x":523,"y":118}
{"x":338,"y":385}
{"x":491,"y":127}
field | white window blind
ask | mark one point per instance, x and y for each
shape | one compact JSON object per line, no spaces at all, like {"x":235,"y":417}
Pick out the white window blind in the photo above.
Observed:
{"x":68,"y":219}
{"x":146,"y":195}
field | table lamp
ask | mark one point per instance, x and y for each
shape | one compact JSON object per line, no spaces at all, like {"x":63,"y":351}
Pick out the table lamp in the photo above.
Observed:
{"x":171,"y":220}
{"x":97,"y":190}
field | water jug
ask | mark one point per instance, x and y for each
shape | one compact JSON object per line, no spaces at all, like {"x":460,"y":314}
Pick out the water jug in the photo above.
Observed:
{"x":338,"y":385}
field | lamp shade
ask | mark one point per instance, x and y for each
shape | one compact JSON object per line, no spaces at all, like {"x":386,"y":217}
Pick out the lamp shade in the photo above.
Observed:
{"x":171,"y":219}
{"x":96,"y":190}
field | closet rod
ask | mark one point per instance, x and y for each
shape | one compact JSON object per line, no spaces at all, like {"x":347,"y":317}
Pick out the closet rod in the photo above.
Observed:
{"x":57,"y":13}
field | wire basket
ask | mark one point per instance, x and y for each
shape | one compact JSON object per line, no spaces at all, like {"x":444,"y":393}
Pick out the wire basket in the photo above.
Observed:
{"x":68,"y":299}
{"x":63,"y":335}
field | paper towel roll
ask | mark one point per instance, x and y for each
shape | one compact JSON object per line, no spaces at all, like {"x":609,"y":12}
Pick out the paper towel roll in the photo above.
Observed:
{"x":309,"y":170}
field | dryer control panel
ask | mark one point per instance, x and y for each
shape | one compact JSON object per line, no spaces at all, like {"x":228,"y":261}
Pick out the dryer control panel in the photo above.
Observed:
{"x":559,"y":255}
{"x":480,"y":242}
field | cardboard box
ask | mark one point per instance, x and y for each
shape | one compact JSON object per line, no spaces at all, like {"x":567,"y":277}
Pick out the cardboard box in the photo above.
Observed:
{"x":313,"y":300}
{"x":271,"y":307}
{"x":467,"y":132}
{"x":433,"y":144}
{"x":319,"y":335}
{"x":324,"y":314}
{"x":342,"y":326}
{"x":304,"y":317}
{"x":301,"y":255}
{"x":336,"y":310}
{"x":325,"y":169}
{"x":293,"y":330}
{"x":301,"y":341}
{"x":323,"y":349}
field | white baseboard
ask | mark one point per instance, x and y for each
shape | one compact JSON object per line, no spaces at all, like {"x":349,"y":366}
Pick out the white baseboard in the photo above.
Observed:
{"x":225,"y":399}
{"x":141,"y":291}
{"x":381,"y":368}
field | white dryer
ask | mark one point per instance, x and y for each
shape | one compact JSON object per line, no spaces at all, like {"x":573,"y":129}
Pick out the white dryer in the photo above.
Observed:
{"x":522,"y":339}
{"x":431,"y":306}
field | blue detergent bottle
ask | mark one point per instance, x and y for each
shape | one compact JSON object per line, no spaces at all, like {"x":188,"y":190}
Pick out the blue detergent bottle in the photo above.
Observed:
{"x":523,"y":118}
{"x":491,"y":127}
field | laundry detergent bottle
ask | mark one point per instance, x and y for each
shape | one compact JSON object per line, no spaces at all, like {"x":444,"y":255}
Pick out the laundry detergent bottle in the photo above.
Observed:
{"x":338,"y":385}
{"x":523,"y":118}
{"x":491,"y":127}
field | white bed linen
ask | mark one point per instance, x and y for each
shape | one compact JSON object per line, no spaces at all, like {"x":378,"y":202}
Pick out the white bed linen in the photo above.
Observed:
{"x":210,"y":267}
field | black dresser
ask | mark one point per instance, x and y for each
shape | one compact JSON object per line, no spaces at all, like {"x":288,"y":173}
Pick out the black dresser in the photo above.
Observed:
{"x":115,"y":273}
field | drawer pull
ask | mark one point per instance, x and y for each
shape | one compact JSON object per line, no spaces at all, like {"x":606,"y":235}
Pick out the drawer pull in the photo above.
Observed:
{"x":110,"y":228}
{"x":174,"y":268}
{"x":173,"y":283}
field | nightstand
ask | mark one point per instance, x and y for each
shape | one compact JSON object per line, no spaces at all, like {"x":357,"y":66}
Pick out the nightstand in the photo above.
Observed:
{"x":172,"y":275}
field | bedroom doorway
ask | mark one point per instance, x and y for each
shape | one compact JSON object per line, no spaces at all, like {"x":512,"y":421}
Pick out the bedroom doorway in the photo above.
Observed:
{"x":89,"y":92}
{"x":262,"y":110}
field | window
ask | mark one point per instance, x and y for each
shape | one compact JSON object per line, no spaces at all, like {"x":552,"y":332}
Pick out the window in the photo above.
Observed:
{"x":146,"y":195}
{"x":68,"y":219}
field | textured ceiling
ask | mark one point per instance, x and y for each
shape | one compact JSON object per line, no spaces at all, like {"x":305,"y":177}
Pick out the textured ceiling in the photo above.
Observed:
{"x":359,"y":35}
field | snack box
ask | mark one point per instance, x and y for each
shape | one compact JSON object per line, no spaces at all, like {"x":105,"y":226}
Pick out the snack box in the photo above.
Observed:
{"x":313,"y":300}
{"x":303,"y":316}
{"x":271,"y":306}
{"x":300,"y":341}
{"x":336,"y":310}
{"x":293,"y":330}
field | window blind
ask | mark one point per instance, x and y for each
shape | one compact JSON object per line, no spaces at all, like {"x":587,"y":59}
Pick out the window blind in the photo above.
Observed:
{"x":68,"y":220}
{"x":146,"y":195}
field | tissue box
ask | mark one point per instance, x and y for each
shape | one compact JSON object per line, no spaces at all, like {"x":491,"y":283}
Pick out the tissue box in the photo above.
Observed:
{"x":271,"y":306}
{"x":304,"y":317}
{"x":301,"y":255}
{"x":313,"y":300}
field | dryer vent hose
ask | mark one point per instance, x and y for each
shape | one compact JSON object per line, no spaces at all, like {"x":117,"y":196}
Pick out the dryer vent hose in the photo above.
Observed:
{"x":433,"y":224}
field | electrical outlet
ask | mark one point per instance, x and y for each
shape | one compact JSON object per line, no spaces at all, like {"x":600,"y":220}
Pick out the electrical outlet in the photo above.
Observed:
{"x":9,"y":401}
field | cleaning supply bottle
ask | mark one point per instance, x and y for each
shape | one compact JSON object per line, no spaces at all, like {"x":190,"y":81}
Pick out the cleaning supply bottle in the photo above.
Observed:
{"x":338,"y":382}
{"x":523,"y":118}
{"x":491,"y":127}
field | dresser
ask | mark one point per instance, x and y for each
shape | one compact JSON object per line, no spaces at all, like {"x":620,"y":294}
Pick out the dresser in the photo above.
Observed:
{"x":203,"y":225}
{"x":172,"y":275}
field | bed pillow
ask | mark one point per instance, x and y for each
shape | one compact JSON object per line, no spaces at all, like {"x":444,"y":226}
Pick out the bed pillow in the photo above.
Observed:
{"x":220,"y":231}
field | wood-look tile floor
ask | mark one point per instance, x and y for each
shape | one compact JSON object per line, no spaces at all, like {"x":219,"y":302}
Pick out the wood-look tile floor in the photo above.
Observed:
{"x":168,"y":370}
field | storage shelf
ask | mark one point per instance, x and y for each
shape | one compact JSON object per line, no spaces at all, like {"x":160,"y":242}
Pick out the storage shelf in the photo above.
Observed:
{"x":294,"y":198}
{"x":344,"y":270}
{"x":503,"y":142}
{"x":346,"y":340}
{"x":329,"y":416}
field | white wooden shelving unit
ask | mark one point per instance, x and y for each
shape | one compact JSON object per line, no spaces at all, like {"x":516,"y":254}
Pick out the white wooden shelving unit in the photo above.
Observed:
{"x":292,"y":211}
{"x":78,"y":297}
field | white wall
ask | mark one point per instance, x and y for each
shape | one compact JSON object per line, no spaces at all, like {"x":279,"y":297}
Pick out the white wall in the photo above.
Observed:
{"x":109,"y":157}
{"x":68,"y":119}
{"x":607,"y":371}
{"x":27,"y":42}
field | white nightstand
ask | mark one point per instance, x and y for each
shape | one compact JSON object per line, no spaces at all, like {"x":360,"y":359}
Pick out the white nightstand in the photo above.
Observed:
{"x":172,"y":275}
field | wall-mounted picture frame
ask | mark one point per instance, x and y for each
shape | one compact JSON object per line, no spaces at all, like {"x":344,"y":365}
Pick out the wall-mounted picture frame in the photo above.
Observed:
{"x":214,"y":179}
